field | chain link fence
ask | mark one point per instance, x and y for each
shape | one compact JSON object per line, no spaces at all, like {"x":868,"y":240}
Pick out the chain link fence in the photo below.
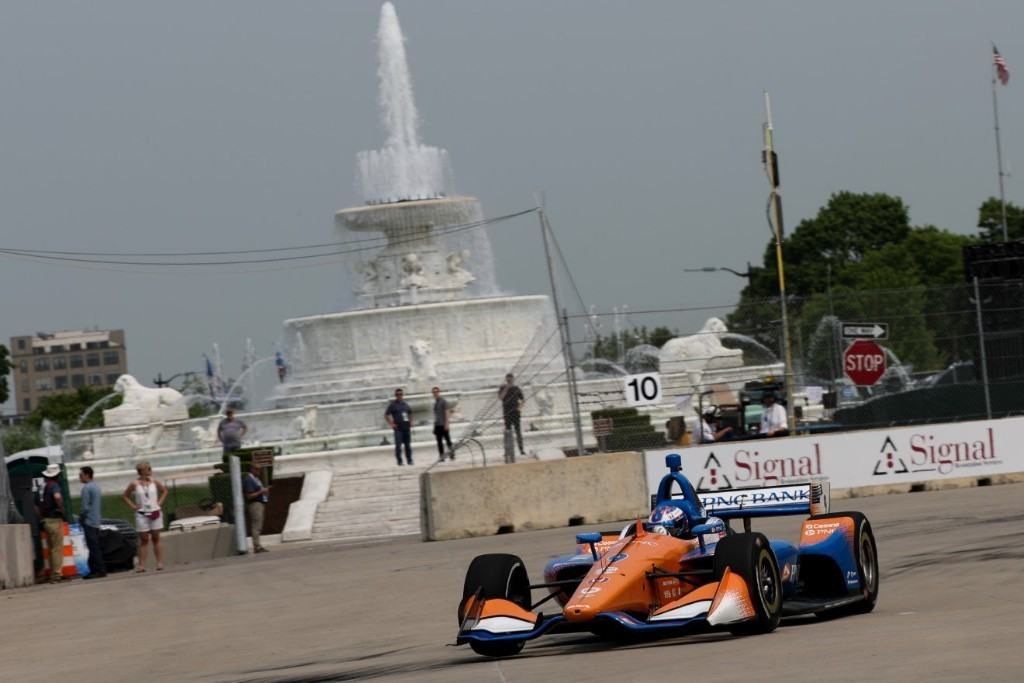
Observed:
{"x":952,"y":353}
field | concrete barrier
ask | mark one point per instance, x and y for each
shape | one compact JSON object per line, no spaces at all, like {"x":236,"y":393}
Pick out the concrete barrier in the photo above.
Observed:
{"x":205,"y":543}
{"x":16,"y":568}
{"x":532,"y":495}
{"x":302,"y":513}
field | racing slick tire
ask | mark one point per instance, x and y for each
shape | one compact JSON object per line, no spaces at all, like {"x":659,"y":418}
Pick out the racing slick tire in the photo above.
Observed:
{"x":866,"y":553}
{"x":750,"y":555}
{"x":497,"y":575}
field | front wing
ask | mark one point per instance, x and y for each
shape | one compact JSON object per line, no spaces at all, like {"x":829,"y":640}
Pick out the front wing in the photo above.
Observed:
{"x":716,"y":604}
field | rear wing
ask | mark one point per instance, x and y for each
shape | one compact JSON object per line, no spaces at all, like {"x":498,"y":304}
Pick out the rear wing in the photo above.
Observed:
{"x":807,"y":498}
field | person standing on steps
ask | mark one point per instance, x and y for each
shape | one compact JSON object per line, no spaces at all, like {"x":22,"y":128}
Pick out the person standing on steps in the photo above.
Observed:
{"x":231,"y":431}
{"x":442,"y":413}
{"x":512,"y":398}
{"x":399,"y":417}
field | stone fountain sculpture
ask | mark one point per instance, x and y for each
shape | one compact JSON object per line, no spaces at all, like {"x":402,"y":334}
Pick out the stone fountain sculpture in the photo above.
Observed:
{"x":697,"y":353}
{"x":144,"y":405}
{"x":431,"y":305}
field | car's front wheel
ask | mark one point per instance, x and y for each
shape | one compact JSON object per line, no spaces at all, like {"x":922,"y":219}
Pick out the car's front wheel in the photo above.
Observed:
{"x":750,"y":556}
{"x":497,"y":575}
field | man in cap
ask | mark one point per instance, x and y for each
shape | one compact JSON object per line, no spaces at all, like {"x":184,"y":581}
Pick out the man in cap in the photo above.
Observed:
{"x":773,"y":419}
{"x":50,"y":509}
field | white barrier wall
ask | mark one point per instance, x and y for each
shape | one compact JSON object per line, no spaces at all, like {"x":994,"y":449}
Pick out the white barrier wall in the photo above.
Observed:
{"x":876,"y":457}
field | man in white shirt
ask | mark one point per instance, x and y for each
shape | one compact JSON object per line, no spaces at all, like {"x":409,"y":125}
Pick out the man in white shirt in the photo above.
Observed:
{"x":773,"y":419}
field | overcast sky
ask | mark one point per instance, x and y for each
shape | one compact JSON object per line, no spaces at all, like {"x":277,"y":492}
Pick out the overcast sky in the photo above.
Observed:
{"x":197,"y":125}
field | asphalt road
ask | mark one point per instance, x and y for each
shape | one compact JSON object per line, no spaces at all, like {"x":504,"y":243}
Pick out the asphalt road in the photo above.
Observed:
{"x":951,"y":608}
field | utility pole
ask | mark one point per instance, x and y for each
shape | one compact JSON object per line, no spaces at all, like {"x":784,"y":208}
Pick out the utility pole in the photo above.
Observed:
{"x":999,"y":73}
{"x":563,"y":331}
{"x":771,"y":166}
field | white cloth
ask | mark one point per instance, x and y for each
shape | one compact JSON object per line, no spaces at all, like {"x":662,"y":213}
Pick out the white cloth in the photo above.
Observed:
{"x":146,"y":496}
{"x":707,"y":434}
{"x":144,"y":524}
{"x":773,"y":419}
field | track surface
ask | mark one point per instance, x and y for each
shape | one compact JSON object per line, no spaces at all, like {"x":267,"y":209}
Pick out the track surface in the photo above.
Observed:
{"x":951,"y":608}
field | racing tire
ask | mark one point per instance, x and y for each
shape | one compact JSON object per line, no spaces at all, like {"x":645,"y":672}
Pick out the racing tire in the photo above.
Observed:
{"x":865,"y":551}
{"x":497,"y":575}
{"x":750,"y":556}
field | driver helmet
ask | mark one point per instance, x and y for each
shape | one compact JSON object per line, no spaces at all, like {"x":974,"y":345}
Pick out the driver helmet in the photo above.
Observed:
{"x":669,"y":520}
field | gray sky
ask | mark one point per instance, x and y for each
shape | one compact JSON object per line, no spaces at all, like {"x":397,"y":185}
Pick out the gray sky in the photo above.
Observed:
{"x":134,"y":126}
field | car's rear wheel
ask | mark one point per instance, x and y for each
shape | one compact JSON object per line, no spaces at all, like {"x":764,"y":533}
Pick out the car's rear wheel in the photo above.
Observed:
{"x":750,"y":556}
{"x":496,"y":575}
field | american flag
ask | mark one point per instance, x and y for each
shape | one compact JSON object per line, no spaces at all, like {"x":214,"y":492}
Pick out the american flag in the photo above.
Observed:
{"x":1002,"y":72}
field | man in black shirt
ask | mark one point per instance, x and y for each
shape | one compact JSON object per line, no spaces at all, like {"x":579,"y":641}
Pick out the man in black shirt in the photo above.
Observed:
{"x":399,"y":417}
{"x":512,"y":398}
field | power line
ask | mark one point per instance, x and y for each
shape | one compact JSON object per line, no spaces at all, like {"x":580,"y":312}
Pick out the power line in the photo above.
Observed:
{"x":81,"y":257}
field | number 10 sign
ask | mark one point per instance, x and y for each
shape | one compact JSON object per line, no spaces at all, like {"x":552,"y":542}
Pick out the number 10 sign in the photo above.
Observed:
{"x":643,"y":390}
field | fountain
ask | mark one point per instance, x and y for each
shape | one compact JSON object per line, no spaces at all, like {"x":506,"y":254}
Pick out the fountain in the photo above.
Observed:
{"x":430,"y":311}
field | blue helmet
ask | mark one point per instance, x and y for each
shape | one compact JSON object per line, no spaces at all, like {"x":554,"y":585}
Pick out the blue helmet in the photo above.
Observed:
{"x":669,"y":519}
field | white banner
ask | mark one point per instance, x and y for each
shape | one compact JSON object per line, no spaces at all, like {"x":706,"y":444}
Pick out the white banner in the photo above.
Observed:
{"x":900,"y":455}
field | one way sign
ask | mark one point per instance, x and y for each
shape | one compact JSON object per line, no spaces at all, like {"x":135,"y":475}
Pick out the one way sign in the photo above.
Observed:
{"x":865,"y":330}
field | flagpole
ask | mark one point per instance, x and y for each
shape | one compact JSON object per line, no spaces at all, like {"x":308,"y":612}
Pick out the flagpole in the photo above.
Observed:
{"x":999,"y":150}
{"x":771,"y":165}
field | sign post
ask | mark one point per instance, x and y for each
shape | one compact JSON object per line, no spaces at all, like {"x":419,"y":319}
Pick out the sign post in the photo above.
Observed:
{"x":864,"y":362}
{"x":875,"y":331}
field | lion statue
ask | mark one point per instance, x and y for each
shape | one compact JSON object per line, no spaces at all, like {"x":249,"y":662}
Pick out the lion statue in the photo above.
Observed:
{"x":699,"y":352}
{"x":421,"y":365}
{"x":144,"y":405}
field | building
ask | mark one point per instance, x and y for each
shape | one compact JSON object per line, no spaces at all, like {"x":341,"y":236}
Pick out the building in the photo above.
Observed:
{"x":54,"y":363}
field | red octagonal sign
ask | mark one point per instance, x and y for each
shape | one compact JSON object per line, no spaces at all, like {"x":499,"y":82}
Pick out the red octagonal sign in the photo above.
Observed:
{"x":864,"y":362}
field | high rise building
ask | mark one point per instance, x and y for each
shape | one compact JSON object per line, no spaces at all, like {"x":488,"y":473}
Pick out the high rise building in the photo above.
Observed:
{"x":54,"y":363}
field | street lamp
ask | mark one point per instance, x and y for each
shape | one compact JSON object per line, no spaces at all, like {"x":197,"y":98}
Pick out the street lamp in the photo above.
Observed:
{"x":749,"y":274}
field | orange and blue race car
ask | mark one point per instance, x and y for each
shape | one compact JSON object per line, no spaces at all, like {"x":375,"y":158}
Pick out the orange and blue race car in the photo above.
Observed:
{"x":684,"y":570}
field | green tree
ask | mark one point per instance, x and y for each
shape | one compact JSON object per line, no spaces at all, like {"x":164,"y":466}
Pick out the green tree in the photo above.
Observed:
{"x":5,"y":369}
{"x":990,"y":221}
{"x":860,"y":259}
{"x":21,"y":438}
{"x":65,"y":410}
{"x":607,"y":347}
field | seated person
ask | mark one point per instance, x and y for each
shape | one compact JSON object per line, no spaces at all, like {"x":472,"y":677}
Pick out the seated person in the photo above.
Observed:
{"x":710,"y":430}
{"x":773,"y":419}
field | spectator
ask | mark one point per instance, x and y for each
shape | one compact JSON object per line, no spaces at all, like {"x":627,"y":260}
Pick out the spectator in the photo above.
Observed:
{"x":442,"y":414}
{"x":710,"y":430}
{"x":230,"y":432}
{"x":50,"y":509}
{"x":146,"y":496}
{"x":399,"y":417}
{"x":282,"y":368}
{"x":90,"y":518}
{"x":256,"y":496}
{"x":512,"y":398}
{"x":773,"y":419}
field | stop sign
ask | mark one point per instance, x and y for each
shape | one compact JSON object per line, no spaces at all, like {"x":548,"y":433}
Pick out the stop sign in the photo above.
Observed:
{"x":864,"y":362}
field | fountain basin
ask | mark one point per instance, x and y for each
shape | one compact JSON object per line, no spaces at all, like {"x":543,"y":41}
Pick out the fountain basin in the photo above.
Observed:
{"x":367,"y":354}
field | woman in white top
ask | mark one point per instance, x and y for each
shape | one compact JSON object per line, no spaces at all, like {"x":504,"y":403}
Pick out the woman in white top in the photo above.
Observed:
{"x":146,"y":495}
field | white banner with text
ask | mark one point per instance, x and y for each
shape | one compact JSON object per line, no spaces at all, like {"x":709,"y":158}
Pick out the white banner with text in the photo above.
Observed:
{"x":852,"y":459}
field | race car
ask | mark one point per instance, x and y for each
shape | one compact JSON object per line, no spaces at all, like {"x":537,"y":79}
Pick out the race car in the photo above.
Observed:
{"x":683,"y":570}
